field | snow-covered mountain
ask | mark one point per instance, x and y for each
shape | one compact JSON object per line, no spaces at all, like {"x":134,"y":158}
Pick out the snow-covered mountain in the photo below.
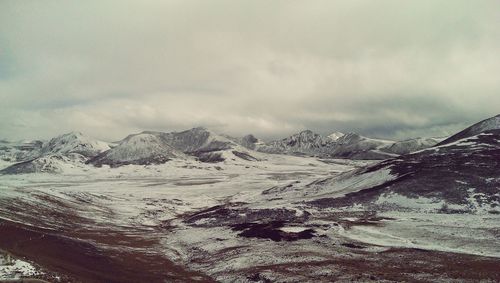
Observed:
{"x":158,"y":147}
{"x":141,"y":149}
{"x":207,"y":146}
{"x":305,"y":142}
{"x":12,"y":152}
{"x":336,"y":145}
{"x":67,"y":150}
{"x":74,"y":142}
{"x":199,"y":143}
{"x":198,"y":139}
{"x":51,"y":163}
{"x":250,"y":142}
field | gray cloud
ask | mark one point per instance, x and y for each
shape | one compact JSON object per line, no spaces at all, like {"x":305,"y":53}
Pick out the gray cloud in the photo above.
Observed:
{"x":393,"y":69}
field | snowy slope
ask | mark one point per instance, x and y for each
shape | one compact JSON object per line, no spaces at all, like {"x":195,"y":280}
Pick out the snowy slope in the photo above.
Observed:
{"x":355,"y":146}
{"x":492,"y":123}
{"x":411,"y":145}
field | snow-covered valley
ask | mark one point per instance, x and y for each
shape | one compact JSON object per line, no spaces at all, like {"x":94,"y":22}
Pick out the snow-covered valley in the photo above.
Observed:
{"x":164,"y":210}
{"x":249,"y":216}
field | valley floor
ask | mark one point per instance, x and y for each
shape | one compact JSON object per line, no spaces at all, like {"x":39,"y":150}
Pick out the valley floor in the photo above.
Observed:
{"x":187,"y":221}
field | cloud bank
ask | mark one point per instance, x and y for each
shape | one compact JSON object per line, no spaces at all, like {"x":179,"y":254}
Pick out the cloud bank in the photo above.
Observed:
{"x":391,"y":69}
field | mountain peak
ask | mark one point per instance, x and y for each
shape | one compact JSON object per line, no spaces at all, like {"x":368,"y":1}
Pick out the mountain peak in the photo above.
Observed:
{"x":305,"y":136}
{"x":140,"y":149}
{"x":249,"y":141}
{"x":200,"y":129}
{"x":149,"y":132}
{"x":72,"y":134}
{"x":141,"y":137}
{"x":74,"y":142}
{"x":335,"y":135}
{"x":250,"y":138}
{"x":350,"y":136}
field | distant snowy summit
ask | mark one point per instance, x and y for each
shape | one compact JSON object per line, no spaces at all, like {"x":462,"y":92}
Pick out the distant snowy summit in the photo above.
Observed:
{"x":335,"y":136}
{"x":338,"y":145}
{"x":67,"y":150}
{"x":303,"y":143}
{"x":75,"y":150}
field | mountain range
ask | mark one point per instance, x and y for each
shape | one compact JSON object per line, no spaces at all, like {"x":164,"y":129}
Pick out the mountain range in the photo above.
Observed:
{"x":201,"y":144}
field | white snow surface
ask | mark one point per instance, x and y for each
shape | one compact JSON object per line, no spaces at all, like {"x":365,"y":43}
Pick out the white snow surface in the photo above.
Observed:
{"x":338,"y":186}
{"x":17,"y":269}
{"x":335,"y":135}
{"x":458,"y":233}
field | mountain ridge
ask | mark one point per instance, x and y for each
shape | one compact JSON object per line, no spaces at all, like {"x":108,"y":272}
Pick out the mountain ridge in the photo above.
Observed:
{"x":200,"y":143}
{"x":491,"y":123}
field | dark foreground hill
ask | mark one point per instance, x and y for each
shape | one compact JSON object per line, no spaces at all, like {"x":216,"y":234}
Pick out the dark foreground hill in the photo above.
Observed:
{"x":462,"y":174}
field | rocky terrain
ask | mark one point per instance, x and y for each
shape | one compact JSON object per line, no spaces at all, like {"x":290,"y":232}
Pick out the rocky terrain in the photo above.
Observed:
{"x":195,"y":206}
{"x":306,"y":142}
{"x":19,"y":151}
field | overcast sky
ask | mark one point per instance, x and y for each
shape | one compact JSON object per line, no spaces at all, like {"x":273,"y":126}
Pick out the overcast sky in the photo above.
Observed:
{"x":391,"y":69}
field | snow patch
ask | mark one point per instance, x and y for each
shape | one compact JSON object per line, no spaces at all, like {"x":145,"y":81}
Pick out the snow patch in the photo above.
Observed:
{"x":16,"y":269}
